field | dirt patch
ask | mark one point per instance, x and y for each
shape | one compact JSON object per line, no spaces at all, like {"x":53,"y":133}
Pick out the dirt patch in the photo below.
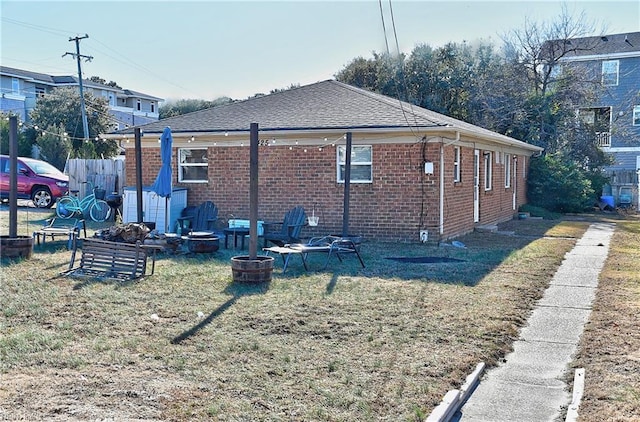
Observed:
{"x":131,"y":394}
{"x":426,"y":259}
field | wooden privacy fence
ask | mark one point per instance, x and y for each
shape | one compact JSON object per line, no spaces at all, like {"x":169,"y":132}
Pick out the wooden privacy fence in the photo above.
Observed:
{"x":106,"y":174}
{"x":623,"y":177}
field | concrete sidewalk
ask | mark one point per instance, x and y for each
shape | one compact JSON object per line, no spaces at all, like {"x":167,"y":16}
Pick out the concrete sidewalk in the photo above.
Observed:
{"x":529,"y":386}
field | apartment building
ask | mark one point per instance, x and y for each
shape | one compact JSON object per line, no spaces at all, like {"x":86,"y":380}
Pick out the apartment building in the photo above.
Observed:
{"x":21,"y":90}
{"x":614,"y":61}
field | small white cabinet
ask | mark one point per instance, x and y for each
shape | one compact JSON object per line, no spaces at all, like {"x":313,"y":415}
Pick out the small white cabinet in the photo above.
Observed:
{"x":155,"y":208}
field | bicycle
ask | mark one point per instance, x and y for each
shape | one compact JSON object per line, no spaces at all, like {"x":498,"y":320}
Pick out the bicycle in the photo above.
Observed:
{"x":70,"y":205}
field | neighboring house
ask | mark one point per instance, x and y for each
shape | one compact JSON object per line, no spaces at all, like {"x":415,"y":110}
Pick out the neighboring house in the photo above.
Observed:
{"x":412,"y":169}
{"x":21,"y":90}
{"x":613,"y":60}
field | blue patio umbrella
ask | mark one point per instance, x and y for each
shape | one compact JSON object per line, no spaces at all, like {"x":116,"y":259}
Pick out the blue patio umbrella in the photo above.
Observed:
{"x":162,"y":185}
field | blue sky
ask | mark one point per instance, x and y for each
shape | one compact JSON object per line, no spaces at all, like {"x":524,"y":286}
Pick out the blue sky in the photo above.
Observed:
{"x":208,"y":49}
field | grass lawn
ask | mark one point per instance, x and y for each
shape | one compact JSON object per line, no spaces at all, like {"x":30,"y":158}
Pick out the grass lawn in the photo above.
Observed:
{"x":610,"y":346}
{"x":381,"y":343}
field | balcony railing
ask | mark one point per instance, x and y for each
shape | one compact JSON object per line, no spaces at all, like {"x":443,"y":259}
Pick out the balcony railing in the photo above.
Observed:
{"x":603,"y":139}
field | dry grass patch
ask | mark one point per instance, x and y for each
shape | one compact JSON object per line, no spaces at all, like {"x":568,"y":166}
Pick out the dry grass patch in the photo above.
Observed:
{"x":609,"y":349}
{"x":381,"y":343}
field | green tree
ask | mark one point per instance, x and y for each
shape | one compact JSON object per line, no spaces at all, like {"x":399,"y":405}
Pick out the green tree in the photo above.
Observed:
{"x":179,"y":107}
{"x":102,"y":81}
{"x":550,"y":93}
{"x":383,"y":74}
{"x":559,"y":185}
{"x":24,"y":145}
{"x":62,"y":107}
{"x":54,"y":146}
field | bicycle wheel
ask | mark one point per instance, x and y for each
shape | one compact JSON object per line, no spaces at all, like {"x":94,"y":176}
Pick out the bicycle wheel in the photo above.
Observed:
{"x":66,"y":207}
{"x":99,"y":211}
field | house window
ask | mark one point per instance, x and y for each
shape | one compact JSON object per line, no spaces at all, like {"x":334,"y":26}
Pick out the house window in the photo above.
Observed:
{"x":15,"y":85}
{"x":456,"y":164}
{"x":153,"y":107}
{"x":610,"y":72}
{"x":139,"y":105}
{"x":193,"y":166}
{"x":40,"y":92}
{"x":488,"y":170}
{"x":507,"y":170}
{"x":636,"y":115}
{"x":361,"y":164}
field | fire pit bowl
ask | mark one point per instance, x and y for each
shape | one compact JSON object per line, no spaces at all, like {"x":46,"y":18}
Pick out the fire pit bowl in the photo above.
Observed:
{"x":203,"y":242}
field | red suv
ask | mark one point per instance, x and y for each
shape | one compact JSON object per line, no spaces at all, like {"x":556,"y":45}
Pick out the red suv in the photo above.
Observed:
{"x":37,"y":180}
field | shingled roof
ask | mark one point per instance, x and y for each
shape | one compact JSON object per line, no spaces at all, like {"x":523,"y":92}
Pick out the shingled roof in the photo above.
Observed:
{"x":611,"y":44}
{"x":326,"y":105}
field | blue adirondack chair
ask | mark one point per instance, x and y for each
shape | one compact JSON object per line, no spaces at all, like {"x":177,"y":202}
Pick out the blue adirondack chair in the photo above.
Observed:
{"x":200,"y":218}
{"x":286,"y":231}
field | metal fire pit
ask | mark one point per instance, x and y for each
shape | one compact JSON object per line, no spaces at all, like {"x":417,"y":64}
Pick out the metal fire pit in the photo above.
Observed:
{"x":203,"y":242}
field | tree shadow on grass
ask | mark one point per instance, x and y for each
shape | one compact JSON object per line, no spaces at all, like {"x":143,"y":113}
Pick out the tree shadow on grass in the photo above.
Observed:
{"x":236,"y":290}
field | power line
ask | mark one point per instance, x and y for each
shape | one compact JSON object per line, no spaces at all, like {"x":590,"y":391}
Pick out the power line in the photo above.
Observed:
{"x":37,"y":27}
{"x":404,"y":114}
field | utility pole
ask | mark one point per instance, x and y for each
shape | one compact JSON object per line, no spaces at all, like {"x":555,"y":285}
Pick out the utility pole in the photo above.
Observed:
{"x":79,"y":56}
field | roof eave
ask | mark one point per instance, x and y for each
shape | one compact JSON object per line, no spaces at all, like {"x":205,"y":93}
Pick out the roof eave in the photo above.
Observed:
{"x":442,"y":131}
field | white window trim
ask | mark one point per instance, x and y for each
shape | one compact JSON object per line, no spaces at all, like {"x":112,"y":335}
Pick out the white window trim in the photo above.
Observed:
{"x":456,"y":164}
{"x":524,"y":167}
{"x":636,"y":116}
{"x":617,"y":72}
{"x":181,"y":165}
{"x":488,"y":171}
{"x":507,"y":171}
{"x":353,"y":164}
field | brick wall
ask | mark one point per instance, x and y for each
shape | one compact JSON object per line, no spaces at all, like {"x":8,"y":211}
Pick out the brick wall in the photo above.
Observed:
{"x":401,"y":200}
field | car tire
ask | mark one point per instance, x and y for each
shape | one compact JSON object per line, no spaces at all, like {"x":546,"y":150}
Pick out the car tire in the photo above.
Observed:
{"x":42,"y":198}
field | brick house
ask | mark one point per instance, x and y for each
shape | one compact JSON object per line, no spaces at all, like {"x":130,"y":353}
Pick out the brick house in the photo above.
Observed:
{"x":412,"y":169}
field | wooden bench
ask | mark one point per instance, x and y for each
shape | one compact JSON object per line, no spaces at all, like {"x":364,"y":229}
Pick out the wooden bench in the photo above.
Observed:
{"x":106,"y":259}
